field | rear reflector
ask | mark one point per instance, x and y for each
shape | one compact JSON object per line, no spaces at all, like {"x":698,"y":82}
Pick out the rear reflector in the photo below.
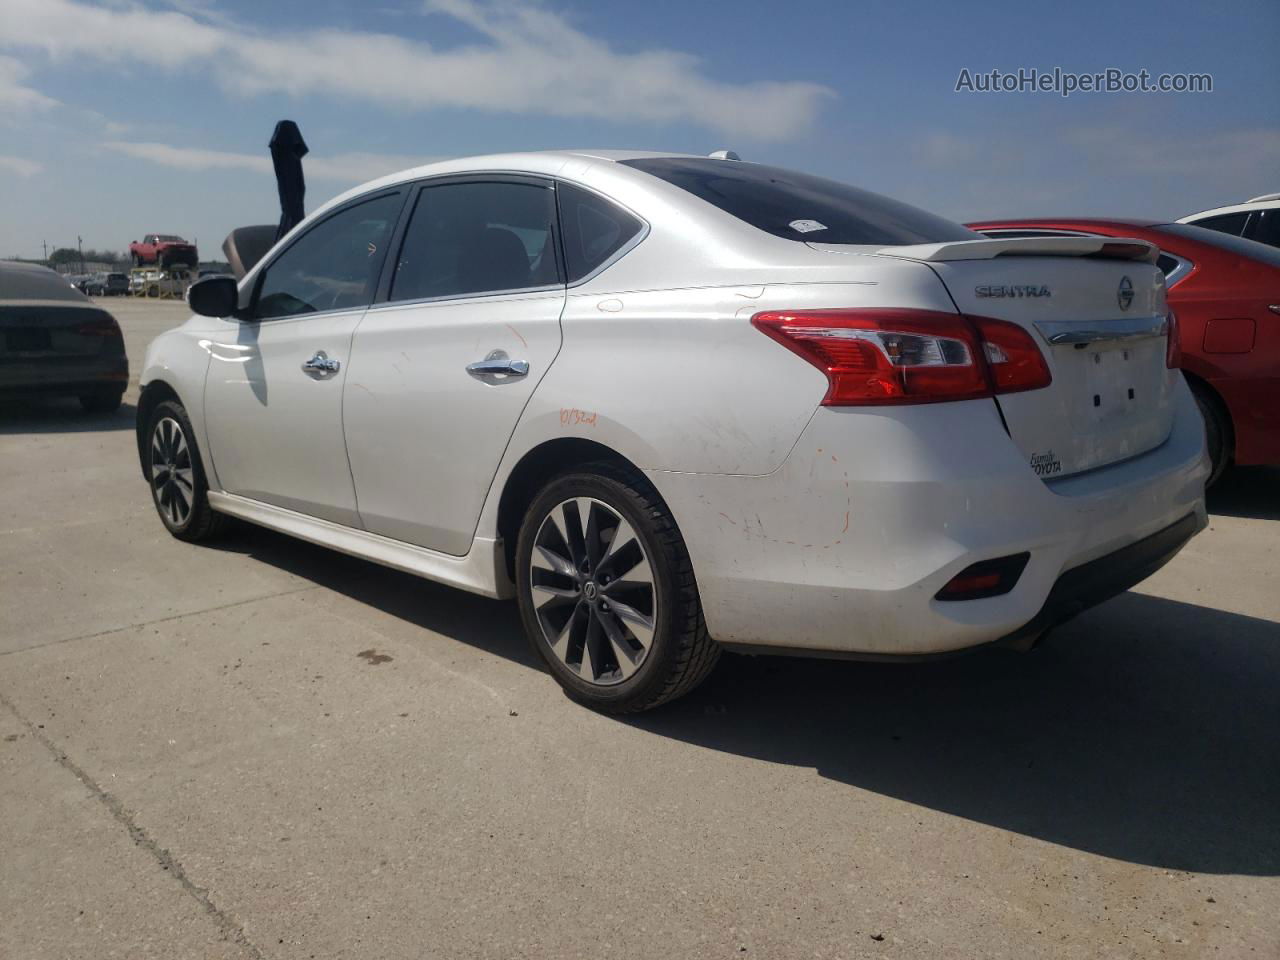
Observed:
{"x":986,"y":578}
{"x":897,"y":356}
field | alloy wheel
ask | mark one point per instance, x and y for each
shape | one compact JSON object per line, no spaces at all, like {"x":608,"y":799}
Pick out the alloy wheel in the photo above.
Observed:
{"x":172,"y":475}
{"x":593,"y":591}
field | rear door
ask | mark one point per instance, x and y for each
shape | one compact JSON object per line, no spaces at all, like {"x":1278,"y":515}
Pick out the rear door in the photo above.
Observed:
{"x":1102,"y":325}
{"x":443,"y":365}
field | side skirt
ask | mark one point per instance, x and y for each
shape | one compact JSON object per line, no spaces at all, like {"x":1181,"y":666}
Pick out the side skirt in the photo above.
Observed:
{"x":482,"y":570}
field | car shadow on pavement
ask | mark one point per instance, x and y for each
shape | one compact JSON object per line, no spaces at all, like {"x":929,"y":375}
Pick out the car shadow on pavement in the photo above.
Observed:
{"x":60,"y":415}
{"x":1249,"y":492}
{"x":1147,"y":730}
{"x":490,"y":625}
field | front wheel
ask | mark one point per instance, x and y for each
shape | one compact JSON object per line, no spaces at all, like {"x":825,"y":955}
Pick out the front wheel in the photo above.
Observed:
{"x":178,"y":486}
{"x":607,"y":592}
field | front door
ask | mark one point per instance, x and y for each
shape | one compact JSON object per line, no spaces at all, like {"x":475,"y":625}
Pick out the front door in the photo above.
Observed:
{"x":273,"y":395}
{"x":442,"y":370}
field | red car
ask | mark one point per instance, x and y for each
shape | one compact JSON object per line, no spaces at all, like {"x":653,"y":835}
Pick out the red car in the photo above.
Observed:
{"x":164,"y":250}
{"x":1225,"y":291}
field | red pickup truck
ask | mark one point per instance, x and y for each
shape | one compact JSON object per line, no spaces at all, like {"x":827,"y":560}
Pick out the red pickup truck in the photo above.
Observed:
{"x":163,"y":250}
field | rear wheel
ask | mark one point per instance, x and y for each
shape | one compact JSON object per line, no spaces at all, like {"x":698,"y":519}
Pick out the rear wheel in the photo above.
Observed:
{"x":178,"y":486}
{"x":104,"y":400}
{"x":607,"y":592}
{"x":1217,"y":431}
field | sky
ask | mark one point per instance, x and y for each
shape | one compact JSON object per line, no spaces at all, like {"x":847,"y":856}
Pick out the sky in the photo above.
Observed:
{"x":119,"y":118}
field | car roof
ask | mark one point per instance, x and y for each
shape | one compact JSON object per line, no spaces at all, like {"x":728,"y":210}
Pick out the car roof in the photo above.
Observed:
{"x":545,"y":162}
{"x":29,"y":281}
{"x":1270,"y":201}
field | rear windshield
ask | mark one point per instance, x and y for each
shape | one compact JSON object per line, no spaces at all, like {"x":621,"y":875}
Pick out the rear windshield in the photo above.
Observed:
{"x":796,"y":206}
{"x":36,"y":283}
{"x":1227,"y":241}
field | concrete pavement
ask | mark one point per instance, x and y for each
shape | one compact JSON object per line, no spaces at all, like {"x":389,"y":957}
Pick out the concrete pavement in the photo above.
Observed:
{"x":266,"y":749}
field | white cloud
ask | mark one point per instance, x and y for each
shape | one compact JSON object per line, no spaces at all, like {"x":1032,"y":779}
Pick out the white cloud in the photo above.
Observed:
{"x":15,"y":96}
{"x":19,"y":165}
{"x":1092,"y":169}
{"x":942,"y":149}
{"x":530,"y":60}
{"x":1219,"y":155}
{"x":348,"y":168}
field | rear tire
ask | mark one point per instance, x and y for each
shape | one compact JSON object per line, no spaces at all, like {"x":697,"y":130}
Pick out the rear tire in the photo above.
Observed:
{"x":101,"y":401}
{"x":627,"y":634}
{"x":176,"y":476}
{"x":1217,"y":431}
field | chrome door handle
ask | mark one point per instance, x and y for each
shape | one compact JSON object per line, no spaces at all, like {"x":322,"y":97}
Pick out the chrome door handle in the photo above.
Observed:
{"x":320,"y":365}
{"x":497,"y":364}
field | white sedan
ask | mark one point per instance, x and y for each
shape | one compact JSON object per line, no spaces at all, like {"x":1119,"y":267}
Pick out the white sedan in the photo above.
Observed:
{"x":679,"y":404}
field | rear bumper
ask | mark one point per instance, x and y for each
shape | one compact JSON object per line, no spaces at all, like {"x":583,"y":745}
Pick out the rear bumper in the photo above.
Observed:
{"x":842,"y":550}
{"x":1099,"y":580}
{"x":61,"y":375}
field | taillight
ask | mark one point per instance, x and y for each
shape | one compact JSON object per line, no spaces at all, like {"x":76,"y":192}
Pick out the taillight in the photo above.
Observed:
{"x":1173,"y":342}
{"x":100,"y":327}
{"x":1015,"y":361}
{"x":896,"y":356}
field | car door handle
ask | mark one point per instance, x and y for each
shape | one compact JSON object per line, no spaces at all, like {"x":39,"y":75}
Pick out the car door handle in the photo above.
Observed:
{"x":498,"y":364}
{"x":321,"y":365}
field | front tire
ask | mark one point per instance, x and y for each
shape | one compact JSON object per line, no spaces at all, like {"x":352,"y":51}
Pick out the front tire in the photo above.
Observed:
{"x":607,"y":593}
{"x":176,"y":476}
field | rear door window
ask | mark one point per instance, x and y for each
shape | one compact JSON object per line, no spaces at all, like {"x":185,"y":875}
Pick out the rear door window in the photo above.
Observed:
{"x":1232,"y":223}
{"x":1265,"y":227}
{"x":473,"y":238}
{"x":800,"y":207}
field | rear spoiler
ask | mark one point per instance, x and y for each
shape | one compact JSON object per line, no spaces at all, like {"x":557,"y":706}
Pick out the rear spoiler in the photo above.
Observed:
{"x":987,"y":249}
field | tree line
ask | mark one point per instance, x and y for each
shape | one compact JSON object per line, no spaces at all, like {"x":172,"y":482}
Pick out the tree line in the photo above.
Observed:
{"x":72,"y":255}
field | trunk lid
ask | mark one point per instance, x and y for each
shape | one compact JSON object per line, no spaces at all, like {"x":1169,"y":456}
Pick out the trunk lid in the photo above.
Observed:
{"x":1096,"y":308}
{"x":44,"y":329}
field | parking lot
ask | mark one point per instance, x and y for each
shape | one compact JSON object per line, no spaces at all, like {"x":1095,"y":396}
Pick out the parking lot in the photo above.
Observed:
{"x":268,"y":749}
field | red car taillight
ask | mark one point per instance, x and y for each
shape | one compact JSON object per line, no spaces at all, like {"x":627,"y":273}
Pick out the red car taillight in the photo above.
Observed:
{"x":100,"y":327}
{"x":895,"y":356}
{"x":1173,"y":343}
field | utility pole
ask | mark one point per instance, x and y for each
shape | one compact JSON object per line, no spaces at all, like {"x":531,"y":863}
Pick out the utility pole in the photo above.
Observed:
{"x":80,"y":249}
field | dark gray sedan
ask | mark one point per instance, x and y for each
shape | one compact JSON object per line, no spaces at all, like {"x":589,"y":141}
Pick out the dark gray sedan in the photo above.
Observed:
{"x":55,"y":341}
